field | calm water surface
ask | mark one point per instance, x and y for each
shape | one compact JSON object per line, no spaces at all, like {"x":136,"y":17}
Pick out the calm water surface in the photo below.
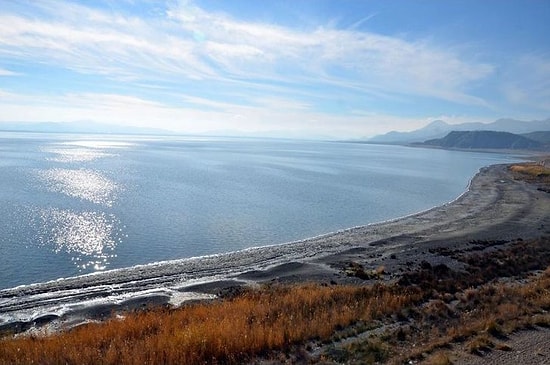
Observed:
{"x":75,"y":204}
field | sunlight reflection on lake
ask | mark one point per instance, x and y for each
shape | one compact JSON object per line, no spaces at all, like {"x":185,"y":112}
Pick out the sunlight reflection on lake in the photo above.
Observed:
{"x":89,"y":237}
{"x":98,"y":144}
{"x":76,"y":154}
{"x":82,"y":183}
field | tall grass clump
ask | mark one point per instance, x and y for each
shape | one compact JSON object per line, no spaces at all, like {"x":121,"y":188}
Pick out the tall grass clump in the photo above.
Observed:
{"x":531,"y":169}
{"x":229,"y":331}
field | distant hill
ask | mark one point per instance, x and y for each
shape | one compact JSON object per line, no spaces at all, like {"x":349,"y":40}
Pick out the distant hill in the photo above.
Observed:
{"x":439,"y":129}
{"x":79,"y":127}
{"x":485,"y":140}
{"x":539,"y":136}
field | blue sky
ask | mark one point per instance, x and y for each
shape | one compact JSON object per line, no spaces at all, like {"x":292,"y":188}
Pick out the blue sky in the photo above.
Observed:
{"x":345,"y":68}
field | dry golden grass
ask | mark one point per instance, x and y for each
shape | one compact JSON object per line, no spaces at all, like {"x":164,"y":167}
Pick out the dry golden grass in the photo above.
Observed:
{"x":439,"y":358}
{"x":258,"y":323}
{"x":226,"y":332}
{"x":491,"y":312}
{"x":441,"y":307}
{"x":479,"y":322}
{"x":531,"y":169}
{"x":273,"y":318}
{"x":534,"y":173}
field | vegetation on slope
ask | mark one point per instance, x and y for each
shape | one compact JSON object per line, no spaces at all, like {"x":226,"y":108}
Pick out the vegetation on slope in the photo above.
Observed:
{"x":534,"y":173}
{"x":434,"y":306}
{"x":229,"y":331}
{"x":531,"y":170}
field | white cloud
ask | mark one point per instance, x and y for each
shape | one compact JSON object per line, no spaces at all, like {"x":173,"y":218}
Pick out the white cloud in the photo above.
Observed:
{"x":202,"y":102}
{"x":370,"y":61}
{"x":99,"y":44}
{"x":4,"y":72}
{"x":184,"y":68}
{"x":528,"y":82}
{"x":269,"y":115}
{"x":192,"y":44}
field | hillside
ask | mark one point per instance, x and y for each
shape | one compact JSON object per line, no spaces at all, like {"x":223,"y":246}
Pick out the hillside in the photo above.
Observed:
{"x":439,"y":129}
{"x":485,"y":140}
{"x":539,"y":136}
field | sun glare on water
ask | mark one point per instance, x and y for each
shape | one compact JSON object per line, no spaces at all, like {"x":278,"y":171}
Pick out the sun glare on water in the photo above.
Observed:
{"x":98,"y":144}
{"x":89,"y":237}
{"x":81,"y":183}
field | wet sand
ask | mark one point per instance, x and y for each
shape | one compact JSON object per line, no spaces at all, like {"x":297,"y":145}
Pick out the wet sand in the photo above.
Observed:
{"x":495,"y":207}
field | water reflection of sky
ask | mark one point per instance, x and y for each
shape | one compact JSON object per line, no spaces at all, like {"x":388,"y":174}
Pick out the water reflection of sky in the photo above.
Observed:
{"x":88,"y":237}
{"x":84,"y":184}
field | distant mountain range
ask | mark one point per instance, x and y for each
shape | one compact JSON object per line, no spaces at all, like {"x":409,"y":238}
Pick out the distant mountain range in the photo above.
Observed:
{"x":439,"y":129}
{"x":79,"y":127}
{"x":89,"y":127}
{"x":491,"y":140}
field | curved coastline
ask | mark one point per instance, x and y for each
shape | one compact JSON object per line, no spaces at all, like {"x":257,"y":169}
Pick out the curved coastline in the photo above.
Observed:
{"x":494,"y":206}
{"x":152,"y":265}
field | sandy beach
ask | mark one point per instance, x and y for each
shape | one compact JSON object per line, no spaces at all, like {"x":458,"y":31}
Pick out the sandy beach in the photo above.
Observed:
{"x":496,"y":207}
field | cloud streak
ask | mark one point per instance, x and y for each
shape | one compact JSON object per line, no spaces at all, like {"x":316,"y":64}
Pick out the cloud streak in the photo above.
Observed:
{"x":534,"y":87}
{"x":4,"y":72}
{"x":199,"y":115}
{"x":180,"y":59}
{"x":188,"y":43}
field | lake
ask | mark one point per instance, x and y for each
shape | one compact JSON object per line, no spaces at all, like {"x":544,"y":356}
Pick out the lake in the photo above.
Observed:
{"x":76,"y":204}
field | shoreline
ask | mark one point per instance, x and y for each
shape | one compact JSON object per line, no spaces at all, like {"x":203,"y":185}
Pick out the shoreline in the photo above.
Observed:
{"x":494,"y":207}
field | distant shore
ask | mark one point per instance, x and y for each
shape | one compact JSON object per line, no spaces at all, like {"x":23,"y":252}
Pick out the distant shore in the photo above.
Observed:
{"x":496,"y":207}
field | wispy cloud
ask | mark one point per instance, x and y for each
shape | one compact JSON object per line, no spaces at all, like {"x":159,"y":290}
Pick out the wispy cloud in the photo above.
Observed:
{"x":344,"y":57}
{"x":266,"y":116}
{"x":190,"y":43}
{"x":157,"y":61}
{"x":533,"y":88}
{"x":4,"y":72}
{"x":361,"y":21}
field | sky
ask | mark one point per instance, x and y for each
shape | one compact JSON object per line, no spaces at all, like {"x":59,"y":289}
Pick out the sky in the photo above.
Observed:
{"x":336,"y":68}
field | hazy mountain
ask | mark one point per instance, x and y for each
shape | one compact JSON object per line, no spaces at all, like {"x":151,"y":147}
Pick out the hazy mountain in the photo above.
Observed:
{"x":439,"y":129}
{"x":539,"y":136}
{"x":102,"y":128}
{"x":485,"y":140}
{"x":79,"y":127}
{"x":302,"y":134}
